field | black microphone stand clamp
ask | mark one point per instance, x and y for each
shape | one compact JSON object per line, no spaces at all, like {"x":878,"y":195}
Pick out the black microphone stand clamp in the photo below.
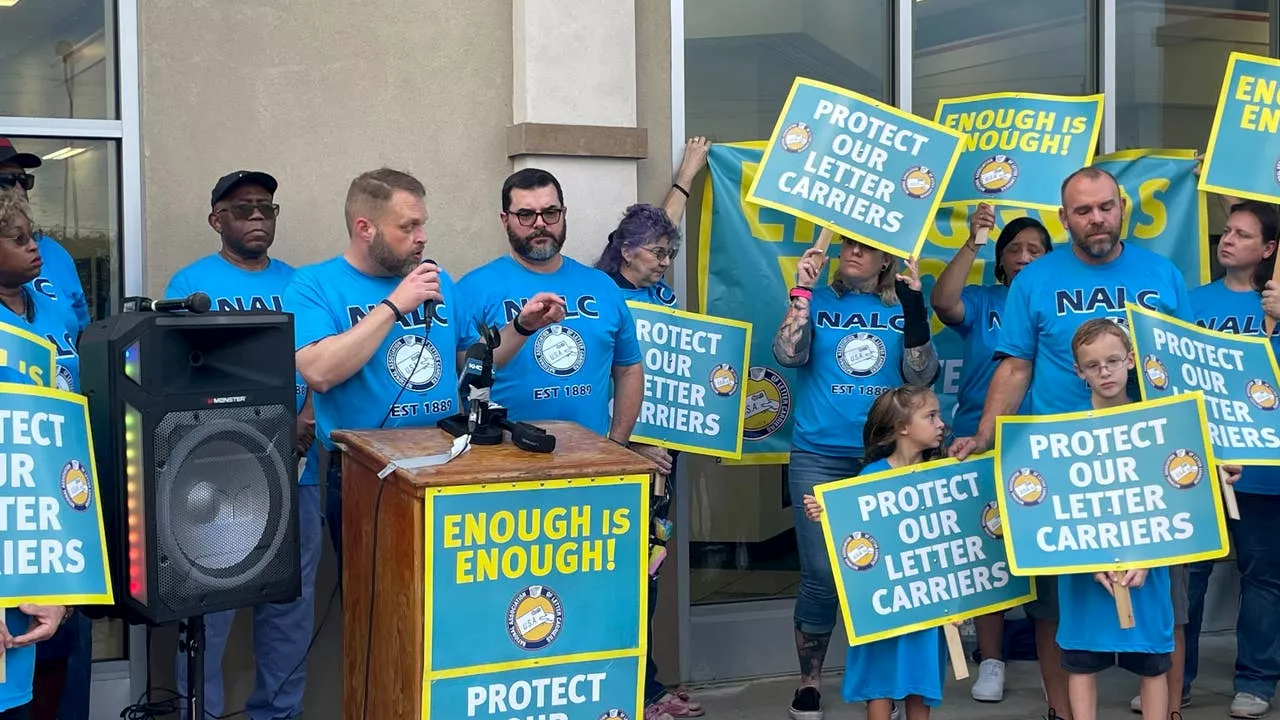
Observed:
{"x":485,"y":421}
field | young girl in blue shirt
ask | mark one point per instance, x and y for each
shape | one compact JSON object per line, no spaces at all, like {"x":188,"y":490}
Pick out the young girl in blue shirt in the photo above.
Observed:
{"x":904,"y":427}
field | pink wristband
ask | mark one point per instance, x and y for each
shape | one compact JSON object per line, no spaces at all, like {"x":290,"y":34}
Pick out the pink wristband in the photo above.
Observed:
{"x":803,"y":292}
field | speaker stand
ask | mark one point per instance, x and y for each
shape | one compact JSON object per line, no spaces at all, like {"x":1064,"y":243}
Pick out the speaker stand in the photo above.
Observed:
{"x":194,"y":647}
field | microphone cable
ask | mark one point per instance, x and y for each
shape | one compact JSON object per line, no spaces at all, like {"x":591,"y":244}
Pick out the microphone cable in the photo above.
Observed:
{"x":428,"y":309}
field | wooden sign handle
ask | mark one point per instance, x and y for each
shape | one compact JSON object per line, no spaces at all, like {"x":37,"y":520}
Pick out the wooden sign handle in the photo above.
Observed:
{"x":1229,"y":499}
{"x":980,"y":237}
{"x":955,"y":650}
{"x":1269,"y":323}
{"x":1124,"y":605}
{"x":824,"y":239}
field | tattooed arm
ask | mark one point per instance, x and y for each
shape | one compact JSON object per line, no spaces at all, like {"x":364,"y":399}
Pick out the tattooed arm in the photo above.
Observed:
{"x":791,"y":344}
{"x":919,"y":358}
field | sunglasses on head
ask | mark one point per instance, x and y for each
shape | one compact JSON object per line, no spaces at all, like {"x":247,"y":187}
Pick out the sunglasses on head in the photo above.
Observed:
{"x":244,"y":211}
{"x":8,"y":180}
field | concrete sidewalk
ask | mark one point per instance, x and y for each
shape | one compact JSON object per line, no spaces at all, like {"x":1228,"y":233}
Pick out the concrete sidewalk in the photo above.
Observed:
{"x":1024,"y":699}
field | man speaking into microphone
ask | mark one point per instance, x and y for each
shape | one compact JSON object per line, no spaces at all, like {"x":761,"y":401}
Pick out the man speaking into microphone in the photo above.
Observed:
{"x":380,"y":331}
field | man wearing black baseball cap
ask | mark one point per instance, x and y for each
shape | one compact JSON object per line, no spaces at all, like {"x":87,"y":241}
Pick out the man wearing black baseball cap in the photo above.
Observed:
{"x":59,"y":278}
{"x":242,"y":276}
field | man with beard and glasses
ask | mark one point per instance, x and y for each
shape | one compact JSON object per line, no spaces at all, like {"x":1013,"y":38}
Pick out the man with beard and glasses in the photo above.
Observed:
{"x":366,"y":346}
{"x":241,"y":276}
{"x":568,"y":369}
{"x":1047,"y":302}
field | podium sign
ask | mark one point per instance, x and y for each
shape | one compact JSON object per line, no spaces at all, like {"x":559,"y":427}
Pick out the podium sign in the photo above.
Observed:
{"x":535,"y":600}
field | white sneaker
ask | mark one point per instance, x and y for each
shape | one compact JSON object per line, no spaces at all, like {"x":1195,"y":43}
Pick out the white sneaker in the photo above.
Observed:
{"x":990,"y":684}
{"x":1247,"y":705}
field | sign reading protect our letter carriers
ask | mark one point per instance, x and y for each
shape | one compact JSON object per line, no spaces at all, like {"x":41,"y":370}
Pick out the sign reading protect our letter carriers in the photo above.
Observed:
{"x":1127,"y":487}
{"x":694,"y":368}
{"x":918,"y":547}
{"x":867,"y":170}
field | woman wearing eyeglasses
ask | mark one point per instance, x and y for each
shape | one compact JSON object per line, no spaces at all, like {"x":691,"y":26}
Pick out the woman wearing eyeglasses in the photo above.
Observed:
{"x":639,"y":252}
{"x":24,"y":308}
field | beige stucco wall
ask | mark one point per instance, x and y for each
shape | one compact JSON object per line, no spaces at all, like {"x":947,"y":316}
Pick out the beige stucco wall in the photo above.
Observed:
{"x":315,"y":92}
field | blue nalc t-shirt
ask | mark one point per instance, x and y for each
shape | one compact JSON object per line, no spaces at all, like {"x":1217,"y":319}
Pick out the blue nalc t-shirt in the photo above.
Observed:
{"x":60,"y":281}
{"x":234,"y":289}
{"x":980,"y":332}
{"x":855,"y":356}
{"x":564,"y":371}
{"x":911,"y":664}
{"x":1220,"y":308}
{"x":19,"y":664}
{"x":658,"y":293}
{"x":50,"y":323}
{"x":1053,"y":296}
{"x":1088,"y":619}
{"x":329,"y":298}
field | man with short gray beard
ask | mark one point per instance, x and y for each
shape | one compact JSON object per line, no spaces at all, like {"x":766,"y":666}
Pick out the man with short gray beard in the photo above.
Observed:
{"x":1048,"y":301}
{"x":567,"y":370}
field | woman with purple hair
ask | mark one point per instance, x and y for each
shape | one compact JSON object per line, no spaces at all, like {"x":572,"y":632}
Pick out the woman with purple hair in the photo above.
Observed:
{"x":639,"y":251}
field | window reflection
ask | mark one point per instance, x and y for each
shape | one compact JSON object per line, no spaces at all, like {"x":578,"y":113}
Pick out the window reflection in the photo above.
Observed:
{"x":57,"y":59}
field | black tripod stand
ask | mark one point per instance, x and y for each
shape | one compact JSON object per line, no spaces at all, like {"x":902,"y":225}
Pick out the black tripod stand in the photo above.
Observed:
{"x":193,"y":646}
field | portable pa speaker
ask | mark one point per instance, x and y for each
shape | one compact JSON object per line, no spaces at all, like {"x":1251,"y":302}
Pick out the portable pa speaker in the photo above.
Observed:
{"x":193,"y":419}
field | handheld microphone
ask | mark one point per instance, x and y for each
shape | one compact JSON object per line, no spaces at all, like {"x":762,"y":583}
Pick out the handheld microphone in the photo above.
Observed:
{"x":196,"y":302}
{"x":429,"y":307}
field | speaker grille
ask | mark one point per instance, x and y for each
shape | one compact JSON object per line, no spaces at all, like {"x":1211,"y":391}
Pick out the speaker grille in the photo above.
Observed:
{"x":222,"y":492}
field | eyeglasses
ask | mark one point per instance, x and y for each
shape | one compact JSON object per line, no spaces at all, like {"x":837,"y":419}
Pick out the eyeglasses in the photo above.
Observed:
{"x":8,"y":180}
{"x":244,"y":211}
{"x":660,"y":253}
{"x":550,"y":216}
{"x":1111,"y":365}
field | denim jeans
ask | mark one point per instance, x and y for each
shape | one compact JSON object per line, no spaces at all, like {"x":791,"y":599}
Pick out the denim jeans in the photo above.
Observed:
{"x":1258,"y":625}
{"x":816,"y":601}
{"x":1196,"y":590}
{"x":333,"y":507}
{"x":281,"y":636}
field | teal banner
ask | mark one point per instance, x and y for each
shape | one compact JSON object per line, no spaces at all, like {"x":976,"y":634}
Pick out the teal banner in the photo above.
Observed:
{"x":52,"y":546}
{"x":867,"y":170}
{"x":1019,"y":146}
{"x":1236,"y":373}
{"x":693,"y":389}
{"x":1127,"y":487}
{"x":748,"y":254}
{"x":918,"y":547}
{"x":1243,"y":157}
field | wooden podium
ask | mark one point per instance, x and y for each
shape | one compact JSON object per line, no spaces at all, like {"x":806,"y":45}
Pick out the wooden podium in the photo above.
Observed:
{"x":433,"y":563}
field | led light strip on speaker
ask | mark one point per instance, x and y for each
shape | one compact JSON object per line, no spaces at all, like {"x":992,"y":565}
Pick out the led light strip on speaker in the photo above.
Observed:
{"x":135,"y":499}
